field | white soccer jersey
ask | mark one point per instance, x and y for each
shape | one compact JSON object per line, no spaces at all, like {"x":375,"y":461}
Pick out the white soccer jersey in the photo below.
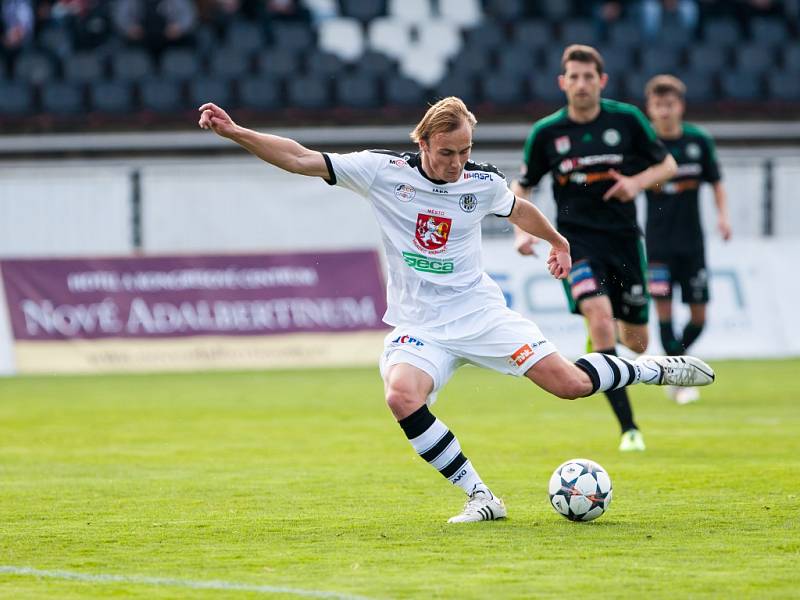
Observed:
{"x":431,"y":232}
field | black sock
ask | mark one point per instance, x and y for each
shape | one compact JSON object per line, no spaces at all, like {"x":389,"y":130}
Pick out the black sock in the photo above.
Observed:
{"x":672,"y":347}
{"x":620,"y":404}
{"x":690,"y":334}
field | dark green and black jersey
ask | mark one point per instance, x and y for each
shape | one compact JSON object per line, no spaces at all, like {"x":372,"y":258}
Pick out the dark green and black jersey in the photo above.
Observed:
{"x":580,"y":155}
{"x":673,"y":209}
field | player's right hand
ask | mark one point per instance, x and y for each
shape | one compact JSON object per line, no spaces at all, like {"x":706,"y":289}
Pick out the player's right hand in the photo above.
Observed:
{"x":525,"y":243}
{"x":217,"y":120}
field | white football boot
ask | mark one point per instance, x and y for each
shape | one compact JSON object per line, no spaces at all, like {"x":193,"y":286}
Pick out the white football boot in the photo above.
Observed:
{"x":683,"y":371}
{"x":481,"y":506}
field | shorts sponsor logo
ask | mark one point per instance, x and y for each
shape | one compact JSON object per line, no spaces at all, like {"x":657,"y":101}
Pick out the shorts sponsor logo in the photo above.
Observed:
{"x":432,"y":232}
{"x":408,"y":340}
{"x":468,"y":202}
{"x":562,"y":144}
{"x":659,"y":288}
{"x":586,"y":286}
{"x":521,"y":355}
{"x":582,"y":280}
{"x":404,"y":192}
{"x":428,"y":265}
{"x":479,"y":175}
{"x":570,"y":164}
{"x":611,"y":137}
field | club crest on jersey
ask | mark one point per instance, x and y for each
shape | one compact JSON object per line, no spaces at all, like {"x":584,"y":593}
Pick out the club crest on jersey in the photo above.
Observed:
{"x":468,"y":202}
{"x":432,"y":232}
{"x":563,"y":144}
{"x":693,"y":151}
{"x":611,"y":137}
{"x":404,"y":192}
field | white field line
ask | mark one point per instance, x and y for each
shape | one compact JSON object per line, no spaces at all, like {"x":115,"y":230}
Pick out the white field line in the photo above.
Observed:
{"x":170,"y":582}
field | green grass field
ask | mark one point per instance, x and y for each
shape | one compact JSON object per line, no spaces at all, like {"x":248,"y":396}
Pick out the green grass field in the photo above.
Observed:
{"x":302,"y":480}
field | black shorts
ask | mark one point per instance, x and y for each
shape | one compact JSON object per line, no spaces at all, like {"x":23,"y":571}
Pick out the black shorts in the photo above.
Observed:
{"x":687,"y":270}
{"x":609,"y":265}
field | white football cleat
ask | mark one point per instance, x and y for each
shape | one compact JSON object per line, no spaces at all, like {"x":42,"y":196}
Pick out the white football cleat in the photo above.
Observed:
{"x":683,"y":371}
{"x":687,"y":395}
{"x":481,"y":506}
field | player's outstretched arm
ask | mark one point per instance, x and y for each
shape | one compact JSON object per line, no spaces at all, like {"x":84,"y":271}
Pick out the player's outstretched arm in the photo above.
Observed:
{"x":282,"y":152}
{"x":530,"y":219}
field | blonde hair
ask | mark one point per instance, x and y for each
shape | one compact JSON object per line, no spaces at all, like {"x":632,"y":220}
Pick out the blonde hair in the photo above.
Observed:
{"x":661,"y":85}
{"x":447,"y":115}
{"x":583,"y":54}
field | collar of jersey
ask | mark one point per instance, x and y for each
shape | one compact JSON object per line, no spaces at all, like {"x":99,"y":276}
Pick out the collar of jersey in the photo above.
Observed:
{"x":416,"y":161}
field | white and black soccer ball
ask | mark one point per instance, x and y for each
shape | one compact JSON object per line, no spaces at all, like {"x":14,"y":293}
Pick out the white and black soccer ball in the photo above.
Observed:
{"x":580,"y":490}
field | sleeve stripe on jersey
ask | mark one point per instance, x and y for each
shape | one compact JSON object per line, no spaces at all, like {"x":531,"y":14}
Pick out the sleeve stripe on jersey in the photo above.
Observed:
{"x":331,"y":179}
{"x":513,"y":203}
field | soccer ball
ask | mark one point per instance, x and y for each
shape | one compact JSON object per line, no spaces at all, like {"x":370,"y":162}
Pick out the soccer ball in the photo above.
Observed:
{"x":580,"y":490}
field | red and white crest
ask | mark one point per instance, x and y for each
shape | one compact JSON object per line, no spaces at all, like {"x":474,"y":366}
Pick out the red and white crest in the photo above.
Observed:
{"x":563,"y":144}
{"x":432,"y":231}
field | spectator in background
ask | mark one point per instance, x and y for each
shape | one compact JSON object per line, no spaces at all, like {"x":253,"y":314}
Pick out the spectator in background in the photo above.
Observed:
{"x":87,"y":21}
{"x":282,"y":10}
{"x":653,"y":13}
{"x":219,"y":13}
{"x":155,"y":23}
{"x":18,"y":23}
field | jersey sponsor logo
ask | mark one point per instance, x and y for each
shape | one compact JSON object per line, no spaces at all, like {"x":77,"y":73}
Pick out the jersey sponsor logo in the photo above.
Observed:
{"x":479,"y":175}
{"x":438,"y":190}
{"x":677,"y":187}
{"x":611,"y":137}
{"x":693,"y":151}
{"x":428,"y":265}
{"x":432,"y":232}
{"x":689,"y":169}
{"x":562,"y":144}
{"x":468,"y":202}
{"x":397,"y":162}
{"x":408,"y":340}
{"x":522,"y":354}
{"x":404,"y":192}
{"x":570,"y":164}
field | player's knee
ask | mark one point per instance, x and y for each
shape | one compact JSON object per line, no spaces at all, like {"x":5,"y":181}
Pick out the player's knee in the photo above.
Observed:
{"x":402,"y":399}
{"x":573,"y":386}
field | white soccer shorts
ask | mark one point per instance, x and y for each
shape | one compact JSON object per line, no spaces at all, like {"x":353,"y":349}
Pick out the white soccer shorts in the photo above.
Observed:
{"x":496,"y":338}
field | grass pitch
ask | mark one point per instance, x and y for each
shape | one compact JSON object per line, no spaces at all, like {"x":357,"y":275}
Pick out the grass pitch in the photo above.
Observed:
{"x":302,"y":480}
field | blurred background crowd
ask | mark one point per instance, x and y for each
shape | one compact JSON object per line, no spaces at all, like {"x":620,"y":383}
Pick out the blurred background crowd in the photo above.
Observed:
{"x":95,"y":63}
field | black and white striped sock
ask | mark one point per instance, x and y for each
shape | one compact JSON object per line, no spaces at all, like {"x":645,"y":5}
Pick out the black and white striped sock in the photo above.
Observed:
{"x":609,"y":372}
{"x":434,"y":442}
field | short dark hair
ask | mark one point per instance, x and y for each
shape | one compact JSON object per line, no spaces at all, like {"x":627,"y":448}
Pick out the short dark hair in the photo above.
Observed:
{"x":663,"y":85}
{"x":584,"y":54}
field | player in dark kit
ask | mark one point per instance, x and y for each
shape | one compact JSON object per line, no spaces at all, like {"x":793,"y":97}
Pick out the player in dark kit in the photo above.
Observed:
{"x":675,"y":247}
{"x":601,"y":154}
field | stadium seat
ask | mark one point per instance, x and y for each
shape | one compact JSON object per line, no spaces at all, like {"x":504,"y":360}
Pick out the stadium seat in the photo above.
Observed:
{"x":754,"y":58}
{"x":533,"y":33}
{"x":243,"y":35}
{"x":699,"y":86}
{"x":462,"y":85}
{"x":505,"y":10}
{"x":34,"y":67}
{"x":363,"y":10}
{"x":625,"y":34}
{"x":84,"y":67}
{"x":463,"y":13}
{"x":343,"y":37}
{"x":659,"y":59}
{"x":707,"y":58}
{"x":674,"y":35}
{"x":615,"y":87}
{"x":474,"y":61}
{"x":551,"y":61}
{"x":278,"y":62}
{"x":544,"y":87}
{"x":418,"y":64}
{"x":439,"y":38}
{"x":63,"y":98}
{"x":616,"y":57}
{"x":308,"y":92}
{"x":376,"y":63}
{"x":111,"y":96}
{"x":401,"y":91}
{"x":502,"y":89}
{"x":722,"y":32}
{"x":516,"y":60}
{"x":740,"y":86}
{"x":161,"y":95}
{"x":389,"y":35}
{"x":206,"y":39}
{"x":179,"y":64}
{"x":131,"y":65}
{"x":17,"y":98}
{"x":791,"y":58}
{"x":579,"y":31}
{"x":410,"y":11}
{"x":784,"y":85}
{"x":260,"y":93}
{"x":55,"y":40}
{"x":292,"y":35}
{"x":634,"y":85}
{"x":204,"y":89}
{"x":770,"y":31}
{"x":230,"y":62}
{"x":324,"y":64}
{"x":358,"y":91}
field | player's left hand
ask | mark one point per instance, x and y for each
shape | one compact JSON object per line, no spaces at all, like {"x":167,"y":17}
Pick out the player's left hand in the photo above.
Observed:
{"x":625,"y":189}
{"x":559,"y":262}
{"x":724,"y":228}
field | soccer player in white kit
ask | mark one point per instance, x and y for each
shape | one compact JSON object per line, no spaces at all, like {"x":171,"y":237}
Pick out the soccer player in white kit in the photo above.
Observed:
{"x":445,"y":310}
